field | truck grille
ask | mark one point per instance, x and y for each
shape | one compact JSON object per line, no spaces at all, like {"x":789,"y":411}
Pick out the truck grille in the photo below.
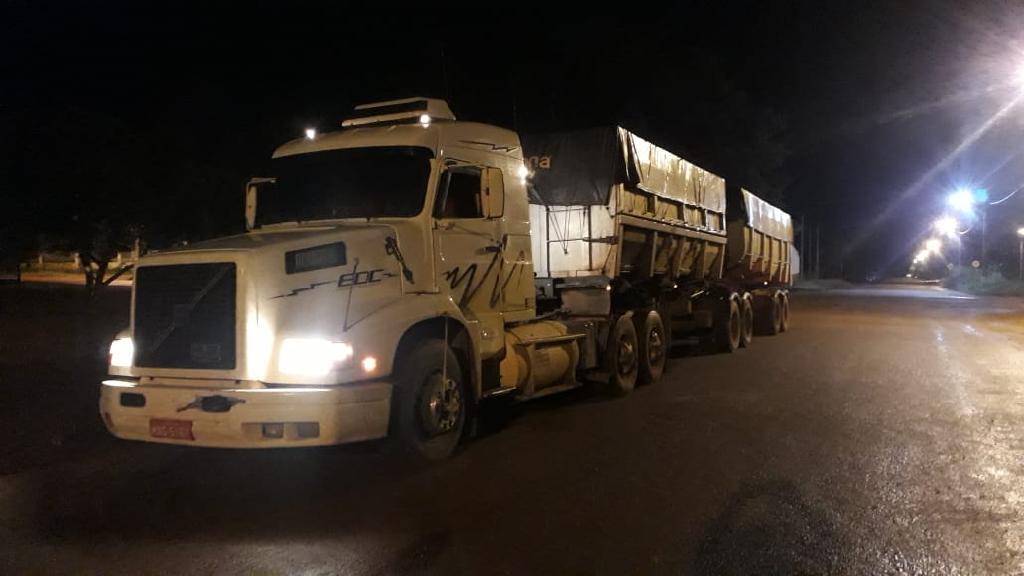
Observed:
{"x":185,"y":316}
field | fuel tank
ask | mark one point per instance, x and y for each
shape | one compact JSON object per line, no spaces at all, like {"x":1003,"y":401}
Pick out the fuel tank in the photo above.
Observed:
{"x":539,"y":355}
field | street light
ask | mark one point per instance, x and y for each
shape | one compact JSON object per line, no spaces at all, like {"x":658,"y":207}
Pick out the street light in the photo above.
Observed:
{"x":962,"y":201}
{"x":946,"y":226}
{"x":1020,"y":254}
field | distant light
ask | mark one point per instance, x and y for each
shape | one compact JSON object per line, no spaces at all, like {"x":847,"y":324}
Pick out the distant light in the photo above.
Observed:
{"x":425,"y":119}
{"x":962,"y":200}
{"x":933,"y":245}
{"x":922,"y":256}
{"x":946,"y":226}
{"x":310,"y":133}
{"x":909,"y":276}
{"x":369,"y":364}
{"x":1020,"y":231}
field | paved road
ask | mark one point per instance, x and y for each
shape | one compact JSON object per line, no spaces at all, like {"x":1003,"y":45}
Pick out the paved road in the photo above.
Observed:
{"x":883,"y":434}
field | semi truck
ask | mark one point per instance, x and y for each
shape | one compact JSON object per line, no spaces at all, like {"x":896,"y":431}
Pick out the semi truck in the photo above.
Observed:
{"x":399,"y":272}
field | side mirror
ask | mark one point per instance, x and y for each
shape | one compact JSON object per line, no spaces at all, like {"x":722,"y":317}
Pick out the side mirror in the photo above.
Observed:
{"x":251,"y":191}
{"x":494,"y":193}
{"x":250,"y":207}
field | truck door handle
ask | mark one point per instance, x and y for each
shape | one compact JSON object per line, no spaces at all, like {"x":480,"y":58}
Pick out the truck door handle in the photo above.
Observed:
{"x":492,"y":249}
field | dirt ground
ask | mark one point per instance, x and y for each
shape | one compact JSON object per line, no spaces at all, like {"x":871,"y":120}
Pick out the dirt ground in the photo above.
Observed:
{"x":53,"y":352}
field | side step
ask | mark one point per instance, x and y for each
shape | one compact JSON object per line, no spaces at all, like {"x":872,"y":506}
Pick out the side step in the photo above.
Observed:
{"x":501,"y":392}
{"x":553,"y":390}
{"x":498,"y":392}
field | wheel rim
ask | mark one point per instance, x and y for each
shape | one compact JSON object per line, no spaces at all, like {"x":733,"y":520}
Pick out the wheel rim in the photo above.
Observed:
{"x":627,"y":355}
{"x":748,"y":322}
{"x":655,"y":347}
{"x":734,"y":327}
{"x":440,"y":405}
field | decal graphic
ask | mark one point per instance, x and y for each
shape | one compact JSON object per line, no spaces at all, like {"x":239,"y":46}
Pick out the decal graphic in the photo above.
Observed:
{"x":347,"y":279}
{"x":363,"y":277}
{"x":295,"y":291}
{"x":391,"y":247}
{"x":456,"y":277}
{"x":490,"y":145}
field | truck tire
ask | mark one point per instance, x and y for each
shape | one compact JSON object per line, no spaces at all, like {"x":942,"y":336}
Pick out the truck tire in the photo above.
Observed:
{"x":747,"y":320}
{"x":429,"y":411}
{"x":728,"y":326}
{"x":783,"y":311}
{"x":653,"y":346}
{"x":766,"y":315}
{"x":621,"y":356}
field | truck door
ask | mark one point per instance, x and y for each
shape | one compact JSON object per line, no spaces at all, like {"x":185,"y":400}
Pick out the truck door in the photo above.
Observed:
{"x":469,"y":240}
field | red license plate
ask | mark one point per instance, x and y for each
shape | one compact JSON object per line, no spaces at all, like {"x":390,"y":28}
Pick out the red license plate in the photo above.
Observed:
{"x":175,"y":429}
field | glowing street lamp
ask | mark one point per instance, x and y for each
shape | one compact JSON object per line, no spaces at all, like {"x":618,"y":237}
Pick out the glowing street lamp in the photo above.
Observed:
{"x":946,"y":226}
{"x":962,"y":201}
{"x":310,"y":133}
{"x":1020,"y":254}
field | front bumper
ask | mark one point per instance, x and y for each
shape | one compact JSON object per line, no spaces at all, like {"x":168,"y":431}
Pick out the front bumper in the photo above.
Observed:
{"x":342,"y":414}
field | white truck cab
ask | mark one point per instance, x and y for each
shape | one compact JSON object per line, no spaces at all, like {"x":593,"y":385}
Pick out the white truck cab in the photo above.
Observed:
{"x":405,"y":233}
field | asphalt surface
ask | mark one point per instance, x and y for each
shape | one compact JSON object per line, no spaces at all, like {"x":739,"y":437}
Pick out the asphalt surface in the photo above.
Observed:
{"x":883,"y":434}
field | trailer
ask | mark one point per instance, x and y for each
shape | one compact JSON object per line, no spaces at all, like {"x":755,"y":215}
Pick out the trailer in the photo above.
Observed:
{"x":610,"y":209}
{"x":400,"y":271}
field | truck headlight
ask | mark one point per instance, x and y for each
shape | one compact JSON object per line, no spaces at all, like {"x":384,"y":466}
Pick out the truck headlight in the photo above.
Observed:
{"x":312,"y":356}
{"x":122,"y":352}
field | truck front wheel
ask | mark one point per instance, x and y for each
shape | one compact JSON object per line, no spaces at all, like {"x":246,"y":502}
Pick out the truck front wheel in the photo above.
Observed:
{"x":654,"y":346}
{"x":622,"y":357}
{"x":430,"y":401}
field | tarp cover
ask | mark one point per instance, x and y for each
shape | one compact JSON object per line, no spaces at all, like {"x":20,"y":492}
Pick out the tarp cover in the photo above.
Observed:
{"x":764,"y":217}
{"x":579,"y":169}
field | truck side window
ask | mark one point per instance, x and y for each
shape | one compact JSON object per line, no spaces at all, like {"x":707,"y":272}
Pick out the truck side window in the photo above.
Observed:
{"x":459,"y":196}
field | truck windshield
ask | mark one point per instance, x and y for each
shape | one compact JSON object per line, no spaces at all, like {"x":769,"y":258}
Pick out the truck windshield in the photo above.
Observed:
{"x":346,"y":183}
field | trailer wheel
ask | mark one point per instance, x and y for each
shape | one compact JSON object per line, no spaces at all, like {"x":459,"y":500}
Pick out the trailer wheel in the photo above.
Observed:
{"x":783,"y":311}
{"x":622,"y":357}
{"x":653,"y":346}
{"x":767,"y":315}
{"x":728,"y":326}
{"x":430,"y":406}
{"x":747,"y":320}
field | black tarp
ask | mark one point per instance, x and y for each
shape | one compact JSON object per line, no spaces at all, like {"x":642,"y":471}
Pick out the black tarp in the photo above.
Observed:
{"x":580,"y":168}
{"x":576,"y":168}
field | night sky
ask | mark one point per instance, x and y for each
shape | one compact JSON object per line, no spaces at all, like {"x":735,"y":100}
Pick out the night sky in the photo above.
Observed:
{"x":151,"y":119}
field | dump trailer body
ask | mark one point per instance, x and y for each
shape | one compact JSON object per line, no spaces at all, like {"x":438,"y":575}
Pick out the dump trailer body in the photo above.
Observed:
{"x":760,"y":243}
{"x":607,"y":203}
